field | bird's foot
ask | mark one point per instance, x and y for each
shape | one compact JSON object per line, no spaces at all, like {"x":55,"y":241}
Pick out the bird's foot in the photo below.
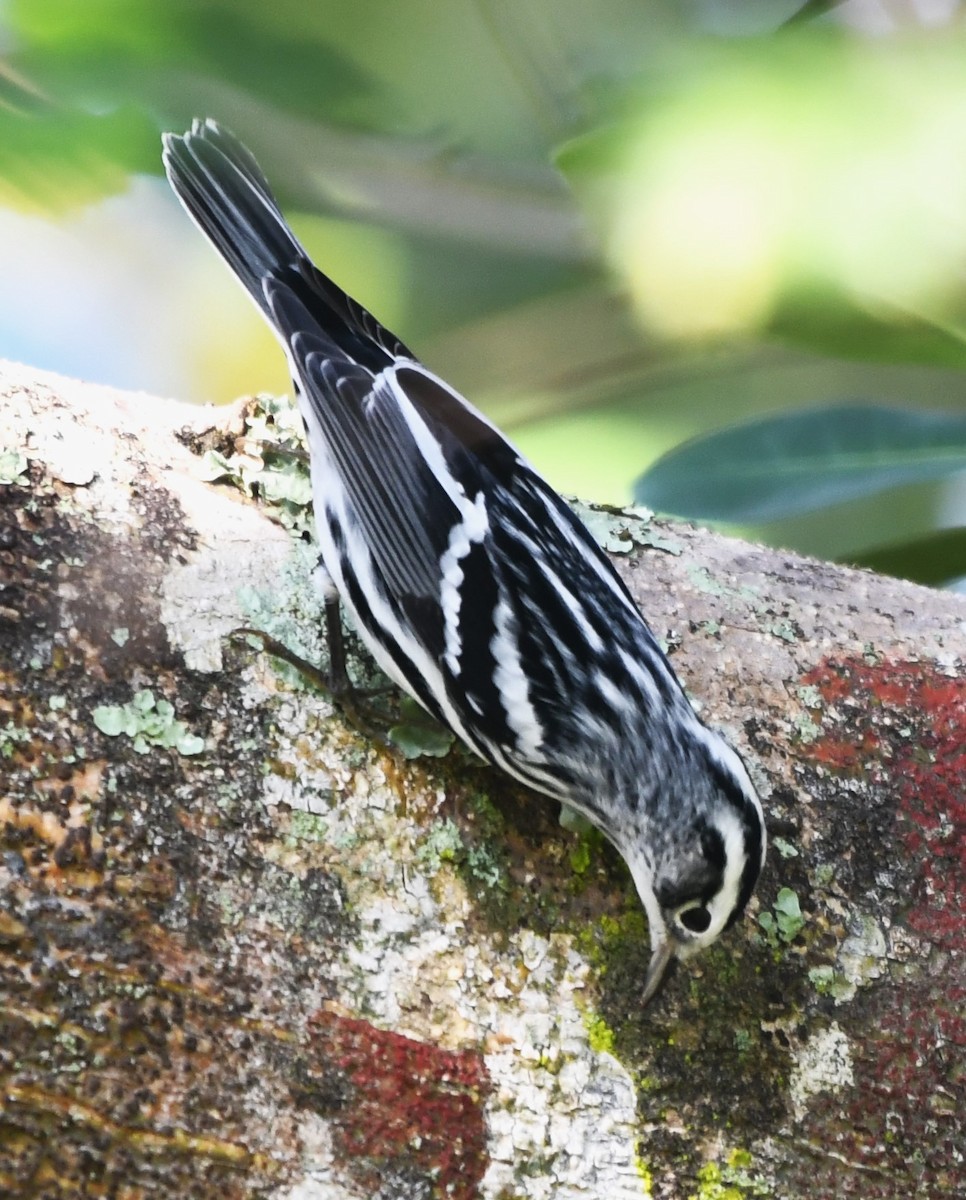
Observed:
{"x":353,"y":702}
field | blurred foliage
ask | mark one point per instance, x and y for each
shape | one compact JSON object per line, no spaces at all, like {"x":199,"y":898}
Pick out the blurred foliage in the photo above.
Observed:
{"x":619,"y":227}
{"x":925,"y":559}
{"x":757,"y":184}
{"x":788,"y":464}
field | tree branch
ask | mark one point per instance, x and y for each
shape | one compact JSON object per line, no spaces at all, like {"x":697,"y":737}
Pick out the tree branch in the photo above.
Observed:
{"x":245,"y":953}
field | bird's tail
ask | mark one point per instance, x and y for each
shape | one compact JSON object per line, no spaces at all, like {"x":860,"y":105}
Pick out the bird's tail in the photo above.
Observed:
{"x":228,"y":198}
{"x":225,"y":193}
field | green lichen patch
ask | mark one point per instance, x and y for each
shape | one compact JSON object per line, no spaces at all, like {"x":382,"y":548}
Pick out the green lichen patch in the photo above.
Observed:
{"x":580,"y":856}
{"x":291,"y":612}
{"x":443,"y":844}
{"x":702,"y":579}
{"x":614,"y":939}
{"x":148,"y":722}
{"x":270,"y":462}
{"x":13,"y":468}
{"x":481,"y":862}
{"x":417,"y":735}
{"x":783,"y":628}
{"x":599,"y":1033}
{"x":712,"y":1010}
{"x":806,"y":729}
{"x":784,"y":923}
{"x":620,"y":530}
{"x":810,"y":695}
{"x":829,"y":982}
{"x":734,"y":1179}
{"x":306,"y":826}
{"x":12,"y":736}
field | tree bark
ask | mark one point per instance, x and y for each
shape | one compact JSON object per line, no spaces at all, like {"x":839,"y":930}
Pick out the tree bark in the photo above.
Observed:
{"x":246,"y":952}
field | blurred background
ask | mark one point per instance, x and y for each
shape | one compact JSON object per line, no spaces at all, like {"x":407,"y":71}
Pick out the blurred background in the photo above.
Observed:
{"x":706,"y":255}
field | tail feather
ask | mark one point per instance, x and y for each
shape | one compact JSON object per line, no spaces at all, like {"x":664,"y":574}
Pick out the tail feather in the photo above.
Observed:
{"x":227,"y":196}
{"x":230,"y":201}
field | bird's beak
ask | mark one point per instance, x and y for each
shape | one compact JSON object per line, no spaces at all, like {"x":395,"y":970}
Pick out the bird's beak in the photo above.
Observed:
{"x":660,"y":958}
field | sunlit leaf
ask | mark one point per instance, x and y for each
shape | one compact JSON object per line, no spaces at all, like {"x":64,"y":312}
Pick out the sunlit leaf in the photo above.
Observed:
{"x":317,"y":81}
{"x":811,"y":10}
{"x":768,"y":167}
{"x":101,"y":52}
{"x":784,"y":465}
{"x":86,"y":87}
{"x":52,"y":158}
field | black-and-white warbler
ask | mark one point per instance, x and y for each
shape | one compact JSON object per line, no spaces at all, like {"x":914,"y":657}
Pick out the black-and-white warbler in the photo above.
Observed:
{"x":476,"y":588}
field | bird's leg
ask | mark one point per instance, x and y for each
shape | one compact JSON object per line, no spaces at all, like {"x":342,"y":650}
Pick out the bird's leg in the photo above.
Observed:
{"x":335,"y":683}
{"x":366,"y":720}
{"x":338,"y":675}
{"x":270,"y":645}
{"x":339,"y":682}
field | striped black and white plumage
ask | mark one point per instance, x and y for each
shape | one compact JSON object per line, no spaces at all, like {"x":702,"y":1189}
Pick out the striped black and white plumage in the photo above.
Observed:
{"x":477,"y":589}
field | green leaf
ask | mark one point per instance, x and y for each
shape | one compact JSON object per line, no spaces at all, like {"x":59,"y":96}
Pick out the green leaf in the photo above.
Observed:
{"x":829,"y":321}
{"x":784,"y":465}
{"x":53,"y":158}
{"x":933,"y":559}
{"x":811,"y":10}
{"x":241,"y":42}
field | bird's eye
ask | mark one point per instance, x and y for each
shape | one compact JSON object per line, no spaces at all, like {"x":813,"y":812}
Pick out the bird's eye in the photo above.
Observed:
{"x":695,"y":920}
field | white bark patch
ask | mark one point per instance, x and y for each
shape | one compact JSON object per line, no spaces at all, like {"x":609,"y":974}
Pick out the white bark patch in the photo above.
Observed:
{"x":862,"y":956}
{"x":824,"y":1064}
{"x":556,"y":1105}
{"x":203,"y":599}
{"x":322,"y":1178}
{"x":561,"y":1117}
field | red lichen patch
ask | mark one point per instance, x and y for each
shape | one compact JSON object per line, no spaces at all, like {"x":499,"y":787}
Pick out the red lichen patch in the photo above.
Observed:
{"x":411,"y":1111}
{"x":910,"y":725}
{"x":846,"y":754}
{"x":906,"y":733}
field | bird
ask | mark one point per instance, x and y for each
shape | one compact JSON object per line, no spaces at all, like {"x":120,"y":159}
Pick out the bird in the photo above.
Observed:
{"x":474,"y":585}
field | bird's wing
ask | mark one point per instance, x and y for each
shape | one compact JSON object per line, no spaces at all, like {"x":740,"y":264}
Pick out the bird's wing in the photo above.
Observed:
{"x":407,"y":461}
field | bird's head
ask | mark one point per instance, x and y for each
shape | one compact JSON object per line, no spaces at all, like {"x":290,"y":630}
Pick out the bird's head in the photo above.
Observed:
{"x":698,"y":872}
